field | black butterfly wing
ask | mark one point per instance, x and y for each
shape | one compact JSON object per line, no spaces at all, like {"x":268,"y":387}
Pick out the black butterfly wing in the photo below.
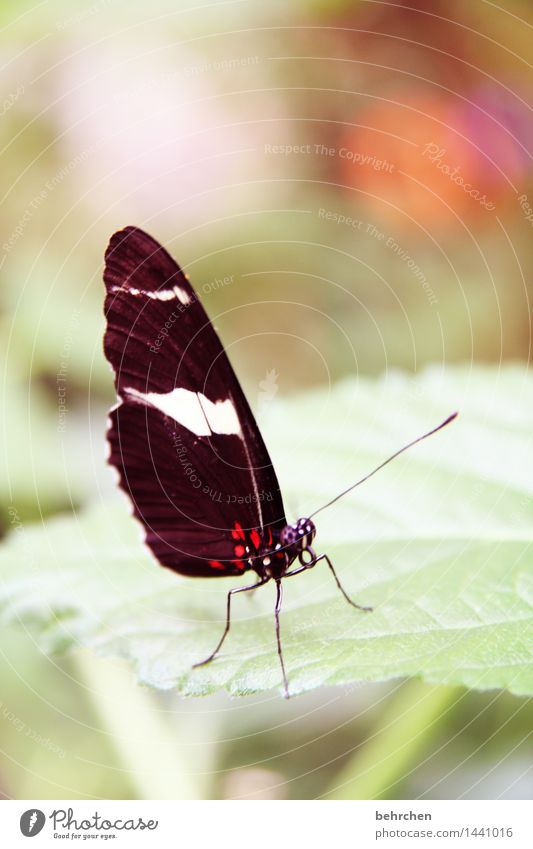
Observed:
{"x":183,"y":438}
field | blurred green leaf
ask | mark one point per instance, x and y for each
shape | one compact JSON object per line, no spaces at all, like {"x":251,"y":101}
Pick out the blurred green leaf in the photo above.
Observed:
{"x":439,"y":544}
{"x":38,"y":472}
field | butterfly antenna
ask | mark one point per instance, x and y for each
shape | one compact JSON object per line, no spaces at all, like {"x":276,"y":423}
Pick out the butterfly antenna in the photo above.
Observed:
{"x":385,"y":462}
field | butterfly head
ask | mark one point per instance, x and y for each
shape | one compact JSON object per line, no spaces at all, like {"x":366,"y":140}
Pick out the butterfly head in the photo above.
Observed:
{"x":297,"y":537}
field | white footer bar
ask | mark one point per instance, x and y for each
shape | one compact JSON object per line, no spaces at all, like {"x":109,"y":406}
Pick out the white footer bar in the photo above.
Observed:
{"x":268,"y":825}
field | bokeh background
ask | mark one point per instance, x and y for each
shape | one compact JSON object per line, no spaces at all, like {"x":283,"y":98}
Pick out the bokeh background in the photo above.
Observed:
{"x":349,"y":185}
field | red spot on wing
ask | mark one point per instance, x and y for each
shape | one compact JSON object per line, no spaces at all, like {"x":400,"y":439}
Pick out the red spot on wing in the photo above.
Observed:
{"x":238,"y":564}
{"x":238,"y":532}
{"x":239,"y":550}
{"x":255,"y":538}
{"x":269,"y":536}
{"x":216,"y":564}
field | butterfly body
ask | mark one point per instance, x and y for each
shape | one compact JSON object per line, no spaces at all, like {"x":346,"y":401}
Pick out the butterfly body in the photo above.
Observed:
{"x":271,"y":553}
{"x":183,"y":438}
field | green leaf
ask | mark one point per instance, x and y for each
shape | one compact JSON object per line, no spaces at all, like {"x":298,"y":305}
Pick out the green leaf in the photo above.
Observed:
{"x":439,"y":544}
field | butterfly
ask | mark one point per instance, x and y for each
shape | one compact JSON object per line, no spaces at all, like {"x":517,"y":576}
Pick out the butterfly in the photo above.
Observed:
{"x":184,"y":440}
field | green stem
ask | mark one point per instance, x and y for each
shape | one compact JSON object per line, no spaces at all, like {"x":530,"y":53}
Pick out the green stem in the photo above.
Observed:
{"x":154,"y":754}
{"x":401,"y":735}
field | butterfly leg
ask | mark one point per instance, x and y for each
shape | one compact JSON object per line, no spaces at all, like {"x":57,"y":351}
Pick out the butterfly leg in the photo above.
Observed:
{"x":313,"y":563}
{"x":228,"y":618}
{"x":279,"y":597}
{"x":343,"y":591}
